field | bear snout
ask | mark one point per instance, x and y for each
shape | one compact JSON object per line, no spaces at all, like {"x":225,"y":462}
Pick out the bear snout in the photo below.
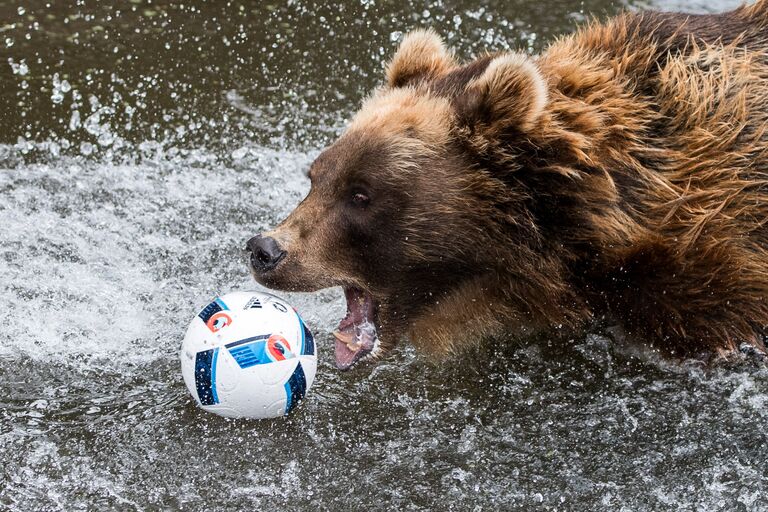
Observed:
{"x":266,"y":253}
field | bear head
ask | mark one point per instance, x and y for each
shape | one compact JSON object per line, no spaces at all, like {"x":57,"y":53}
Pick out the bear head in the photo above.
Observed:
{"x":418,"y":212}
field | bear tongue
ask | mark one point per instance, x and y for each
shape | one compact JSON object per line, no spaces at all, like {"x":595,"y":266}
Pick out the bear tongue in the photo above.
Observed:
{"x":356,"y":334}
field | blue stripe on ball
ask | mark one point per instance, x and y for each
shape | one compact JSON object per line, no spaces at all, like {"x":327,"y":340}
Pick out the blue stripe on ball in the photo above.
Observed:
{"x":295,"y":388}
{"x":307,"y":340}
{"x":204,"y":377}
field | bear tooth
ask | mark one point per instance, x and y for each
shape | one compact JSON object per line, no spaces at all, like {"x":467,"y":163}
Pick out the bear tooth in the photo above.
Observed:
{"x":345,"y":337}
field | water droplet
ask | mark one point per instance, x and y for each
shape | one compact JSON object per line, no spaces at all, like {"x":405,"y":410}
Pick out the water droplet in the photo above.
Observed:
{"x":239,"y":153}
{"x":106,"y":139}
{"x":86,"y":148}
{"x":74,"y":120}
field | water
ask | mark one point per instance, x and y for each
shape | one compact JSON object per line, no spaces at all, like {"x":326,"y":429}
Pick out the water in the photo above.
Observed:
{"x":139,"y":149}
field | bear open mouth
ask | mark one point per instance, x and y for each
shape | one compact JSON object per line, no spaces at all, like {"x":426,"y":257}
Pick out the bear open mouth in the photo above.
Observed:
{"x":356,"y":336}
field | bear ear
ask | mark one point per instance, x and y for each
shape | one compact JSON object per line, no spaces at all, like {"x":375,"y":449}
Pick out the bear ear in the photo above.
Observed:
{"x":422,"y":54}
{"x":511,"y":94}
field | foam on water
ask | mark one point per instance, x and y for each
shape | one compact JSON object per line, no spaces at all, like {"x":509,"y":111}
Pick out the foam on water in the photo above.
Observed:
{"x":104,"y":260}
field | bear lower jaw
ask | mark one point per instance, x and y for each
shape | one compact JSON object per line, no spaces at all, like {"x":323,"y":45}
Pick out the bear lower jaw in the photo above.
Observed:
{"x":353,"y":347}
{"x":356,"y":336}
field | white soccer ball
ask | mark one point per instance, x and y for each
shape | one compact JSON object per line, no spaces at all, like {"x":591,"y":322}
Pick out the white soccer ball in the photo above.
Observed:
{"x":248,"y":355}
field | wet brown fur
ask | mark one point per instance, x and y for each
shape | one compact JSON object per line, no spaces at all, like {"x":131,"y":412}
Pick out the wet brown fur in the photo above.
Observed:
{"x":623,"y":173}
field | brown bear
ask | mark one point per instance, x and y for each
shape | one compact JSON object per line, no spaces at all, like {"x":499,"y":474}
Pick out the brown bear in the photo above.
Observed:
{"x":621,"y":174}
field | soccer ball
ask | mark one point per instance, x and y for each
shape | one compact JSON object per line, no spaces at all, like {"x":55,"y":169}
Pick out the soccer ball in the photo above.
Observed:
{"x":248,"y":355}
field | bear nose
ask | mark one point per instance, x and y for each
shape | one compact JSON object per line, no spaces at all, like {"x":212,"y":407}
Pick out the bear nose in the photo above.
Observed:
{"x":265,"y":252}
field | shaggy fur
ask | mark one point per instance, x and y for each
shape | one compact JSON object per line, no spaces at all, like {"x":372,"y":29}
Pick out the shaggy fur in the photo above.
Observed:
{"x":623,"y":173}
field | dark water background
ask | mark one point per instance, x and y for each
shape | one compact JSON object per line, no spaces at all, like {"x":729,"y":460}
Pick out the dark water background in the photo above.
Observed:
{"x":141,"y":144}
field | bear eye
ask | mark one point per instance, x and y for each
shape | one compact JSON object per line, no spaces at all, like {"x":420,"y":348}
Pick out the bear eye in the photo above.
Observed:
{"x":360,"y":199}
